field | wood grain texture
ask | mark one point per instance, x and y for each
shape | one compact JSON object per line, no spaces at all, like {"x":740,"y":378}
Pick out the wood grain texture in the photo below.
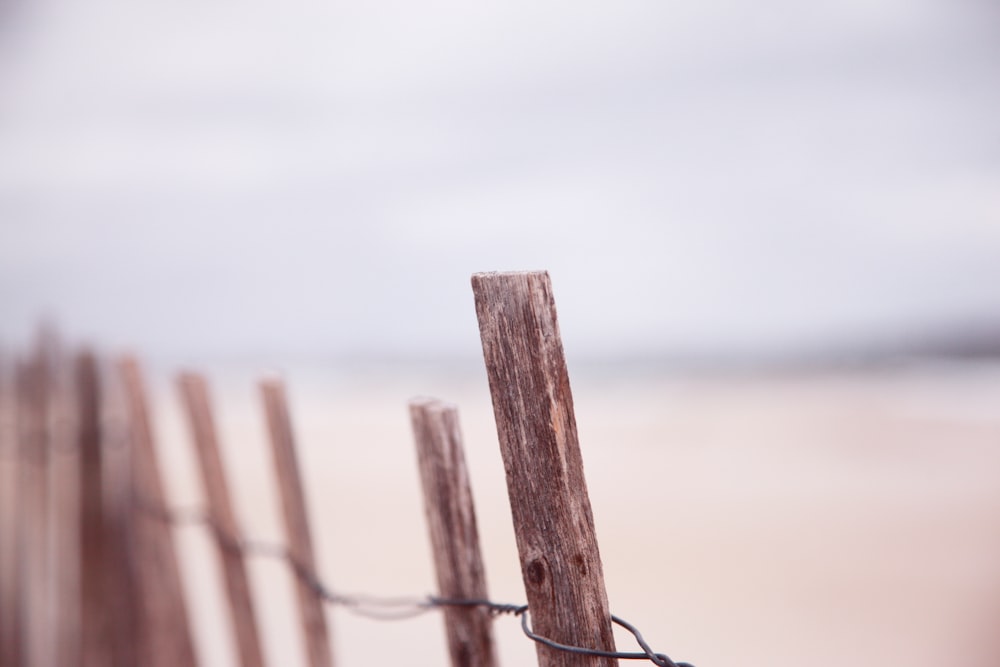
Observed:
{"x":315,"y":632}
{"x":194,"y":394}
{"x":451,"y":519}
{"x":553,"y":522}
{"x":162,"y":624}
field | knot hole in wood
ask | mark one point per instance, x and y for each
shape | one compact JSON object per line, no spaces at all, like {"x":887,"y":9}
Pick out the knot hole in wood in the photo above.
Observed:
{"x":536,"y":571}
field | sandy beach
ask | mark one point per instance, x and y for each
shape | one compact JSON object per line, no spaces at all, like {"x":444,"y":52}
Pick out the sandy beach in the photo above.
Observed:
{"x":758,"y":520}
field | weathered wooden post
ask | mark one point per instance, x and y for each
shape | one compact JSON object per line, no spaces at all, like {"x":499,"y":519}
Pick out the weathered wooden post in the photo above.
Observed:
{"x":451,"y":519}
{"x":553,"y":522}
{"x":163,"y":630}
{"x":194,"y":394}
{"x":293,"y":502}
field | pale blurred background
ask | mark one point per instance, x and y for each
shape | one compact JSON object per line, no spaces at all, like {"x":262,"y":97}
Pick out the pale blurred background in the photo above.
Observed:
{"x":774,"y":236}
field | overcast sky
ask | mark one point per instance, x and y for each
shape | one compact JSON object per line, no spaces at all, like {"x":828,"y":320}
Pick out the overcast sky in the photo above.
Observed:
{"x":321,"y":178}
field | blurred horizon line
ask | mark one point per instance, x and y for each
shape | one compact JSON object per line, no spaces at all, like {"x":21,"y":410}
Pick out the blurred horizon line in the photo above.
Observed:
{"x":960,"y":347}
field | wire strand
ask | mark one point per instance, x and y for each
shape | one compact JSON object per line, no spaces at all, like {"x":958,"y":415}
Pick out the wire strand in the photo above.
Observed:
{"x":389,"y":608}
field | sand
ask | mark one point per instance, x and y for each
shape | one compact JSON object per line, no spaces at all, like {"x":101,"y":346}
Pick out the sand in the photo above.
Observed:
{"x":756,"y":520}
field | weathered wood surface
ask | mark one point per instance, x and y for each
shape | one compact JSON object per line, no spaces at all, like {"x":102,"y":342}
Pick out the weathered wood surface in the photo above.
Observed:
{"x":194,"y":393}
{"x":451,"y":519}
{"x":300,"y":545}
{"x":553,"y":522}
{"x":162,"y":624}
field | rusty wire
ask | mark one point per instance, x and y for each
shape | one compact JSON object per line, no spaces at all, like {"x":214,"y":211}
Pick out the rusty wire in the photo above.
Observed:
{"x":391,"y":608}
{"x":370,"y":606}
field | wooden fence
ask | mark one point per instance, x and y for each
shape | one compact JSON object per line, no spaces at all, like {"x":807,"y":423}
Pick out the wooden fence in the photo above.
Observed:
{"x":88,"y":570}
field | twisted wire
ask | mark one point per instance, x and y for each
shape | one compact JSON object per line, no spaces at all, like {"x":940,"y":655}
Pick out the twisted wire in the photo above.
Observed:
{"x":368,"y":606}
{"x":391,"y":608}
{"x":15,"y":441}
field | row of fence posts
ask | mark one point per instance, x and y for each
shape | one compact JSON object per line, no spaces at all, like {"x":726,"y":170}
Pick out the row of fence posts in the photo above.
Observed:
{"x":88,"y":570}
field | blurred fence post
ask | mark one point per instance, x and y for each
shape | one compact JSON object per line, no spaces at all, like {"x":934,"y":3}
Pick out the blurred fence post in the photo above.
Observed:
{"x":293,"y":502}
{"x":451,"y":519}
{"x":118,"y":566}
{"x":11,"y":574}
{"x":66,"y":519}
{"x":163,"y":630}
{"x":194,"y":394}
{"x":33,"y":417}
{"x":95,"y":622}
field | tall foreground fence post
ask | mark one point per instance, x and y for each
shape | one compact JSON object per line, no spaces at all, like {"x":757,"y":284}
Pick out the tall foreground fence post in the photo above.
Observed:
{"x":293,"y":502}
{"x":553,"y":522}
{"x":451,"y":518}
{"x":163,"y":630}
{"x":194,"y":394}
